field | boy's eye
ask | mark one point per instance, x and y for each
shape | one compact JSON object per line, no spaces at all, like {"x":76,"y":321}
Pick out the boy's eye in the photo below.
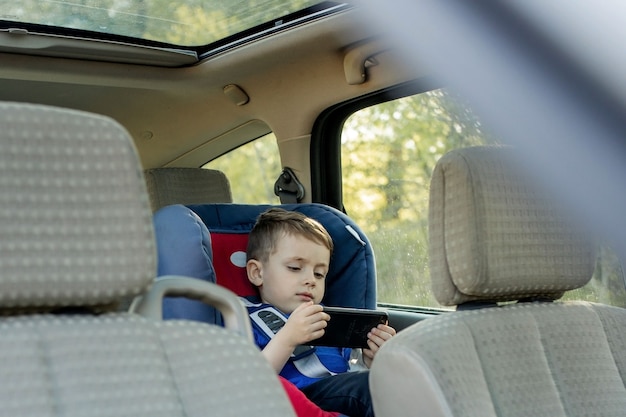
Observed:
{"x":319,"y":275}
{"x":293,"y":268}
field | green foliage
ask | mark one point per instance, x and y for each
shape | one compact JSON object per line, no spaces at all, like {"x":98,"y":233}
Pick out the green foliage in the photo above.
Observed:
{"x":389,"y":152}
{"x":252,"y":170}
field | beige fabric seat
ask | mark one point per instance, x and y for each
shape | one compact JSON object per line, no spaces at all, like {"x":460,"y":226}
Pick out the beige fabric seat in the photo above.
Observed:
{"x":493,"y":238}
{"x":167,"y":186}
{"x":77,"y":239}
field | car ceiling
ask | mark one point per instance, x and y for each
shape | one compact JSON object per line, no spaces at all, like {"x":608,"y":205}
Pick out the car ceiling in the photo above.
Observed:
{"x":290,"y":77}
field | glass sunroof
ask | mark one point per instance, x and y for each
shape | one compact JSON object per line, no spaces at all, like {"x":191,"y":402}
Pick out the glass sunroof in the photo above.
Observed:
{"x":185,"y":23}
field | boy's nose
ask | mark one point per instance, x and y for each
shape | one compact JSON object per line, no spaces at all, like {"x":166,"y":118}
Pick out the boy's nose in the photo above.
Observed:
{"x":310,"y":279}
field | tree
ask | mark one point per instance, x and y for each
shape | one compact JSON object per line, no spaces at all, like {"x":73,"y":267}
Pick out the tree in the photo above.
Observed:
{"x":389,"y":152}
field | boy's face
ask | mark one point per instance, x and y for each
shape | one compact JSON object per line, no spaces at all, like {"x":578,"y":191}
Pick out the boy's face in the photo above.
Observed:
{"x":294,"y":273}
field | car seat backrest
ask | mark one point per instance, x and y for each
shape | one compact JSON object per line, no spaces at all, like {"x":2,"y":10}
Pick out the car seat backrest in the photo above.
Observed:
{"x":171,"y":185}
{"x":77,"y":239}
{"x":214,"y":236}
{"x":503,"y":253}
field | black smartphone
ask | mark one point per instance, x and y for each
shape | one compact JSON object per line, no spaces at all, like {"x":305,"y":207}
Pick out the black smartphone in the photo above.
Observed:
{"x":348,"y":327}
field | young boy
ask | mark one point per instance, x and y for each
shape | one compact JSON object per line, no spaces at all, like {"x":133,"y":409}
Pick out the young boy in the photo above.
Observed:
{"x":288,"y":256}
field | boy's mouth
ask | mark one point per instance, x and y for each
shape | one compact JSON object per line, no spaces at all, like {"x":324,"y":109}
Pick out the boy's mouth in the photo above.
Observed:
{"x":306,"y":296}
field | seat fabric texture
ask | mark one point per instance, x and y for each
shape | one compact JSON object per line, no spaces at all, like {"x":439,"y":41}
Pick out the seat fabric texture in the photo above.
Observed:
{"x":167,"y":186}
{"x":77,"y":239}
{"x":496,"y":238}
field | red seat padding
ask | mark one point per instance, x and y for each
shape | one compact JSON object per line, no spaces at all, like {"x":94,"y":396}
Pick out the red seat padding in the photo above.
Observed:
{"x":229,"y":262}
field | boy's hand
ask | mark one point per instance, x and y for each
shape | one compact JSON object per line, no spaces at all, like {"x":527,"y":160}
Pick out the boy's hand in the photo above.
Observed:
{"x":375,"y":339}
{"x":306,"y":323}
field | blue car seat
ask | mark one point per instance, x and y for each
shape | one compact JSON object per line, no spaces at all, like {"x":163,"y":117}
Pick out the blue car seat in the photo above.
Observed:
{"x":208,"y":242}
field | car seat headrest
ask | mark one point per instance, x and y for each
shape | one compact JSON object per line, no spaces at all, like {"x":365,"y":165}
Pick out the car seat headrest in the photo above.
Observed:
{"x":75,"y":219}
{"x":167,"y":186}
{"x":494,"y":237}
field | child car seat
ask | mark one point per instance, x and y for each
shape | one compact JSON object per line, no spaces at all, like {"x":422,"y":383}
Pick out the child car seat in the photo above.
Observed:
{"x":186,"y":247}
{"x":209,"y":241}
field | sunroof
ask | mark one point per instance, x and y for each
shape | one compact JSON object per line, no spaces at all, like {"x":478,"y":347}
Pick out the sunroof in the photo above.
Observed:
{"x":184,"y":23}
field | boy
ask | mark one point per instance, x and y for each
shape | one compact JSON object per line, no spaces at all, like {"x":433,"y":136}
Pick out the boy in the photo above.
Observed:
{"x":288,"y":256}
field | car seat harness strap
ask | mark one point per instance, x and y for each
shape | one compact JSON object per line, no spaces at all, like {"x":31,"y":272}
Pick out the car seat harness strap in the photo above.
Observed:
{"x":269,"y":320}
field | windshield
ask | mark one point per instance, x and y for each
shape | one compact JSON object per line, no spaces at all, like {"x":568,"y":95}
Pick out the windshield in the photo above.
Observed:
{"x":184,"y":23}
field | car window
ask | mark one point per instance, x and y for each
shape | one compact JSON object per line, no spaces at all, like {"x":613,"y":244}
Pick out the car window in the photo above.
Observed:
{"x":388,"y":154}
{"x":252,"y":170}
{"x":607,"y":284}
{"x":181,"y":23}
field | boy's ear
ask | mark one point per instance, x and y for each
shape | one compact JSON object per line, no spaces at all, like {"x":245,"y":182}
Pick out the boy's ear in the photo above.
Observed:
{"x":254,"y":270}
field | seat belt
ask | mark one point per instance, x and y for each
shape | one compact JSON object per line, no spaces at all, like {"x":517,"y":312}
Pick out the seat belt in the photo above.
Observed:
{"x":270,"y":320}
{"x":288,"y":188}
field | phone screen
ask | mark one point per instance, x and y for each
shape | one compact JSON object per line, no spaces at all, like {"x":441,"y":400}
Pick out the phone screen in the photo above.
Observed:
{"x":348,"y":327}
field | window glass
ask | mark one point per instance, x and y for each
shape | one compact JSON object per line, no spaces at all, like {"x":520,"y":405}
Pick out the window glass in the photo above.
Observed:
{"x":184,"y":23}
{"x":388,"y":154}
{"x":252,"y":170}
{"x":607,"y":284}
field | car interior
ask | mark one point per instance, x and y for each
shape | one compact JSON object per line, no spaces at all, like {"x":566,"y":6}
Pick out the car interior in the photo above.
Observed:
{"x":464,"y":158}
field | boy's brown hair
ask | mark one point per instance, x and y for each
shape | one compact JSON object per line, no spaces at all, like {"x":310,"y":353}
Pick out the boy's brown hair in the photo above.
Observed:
{"x":276,"y":222}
